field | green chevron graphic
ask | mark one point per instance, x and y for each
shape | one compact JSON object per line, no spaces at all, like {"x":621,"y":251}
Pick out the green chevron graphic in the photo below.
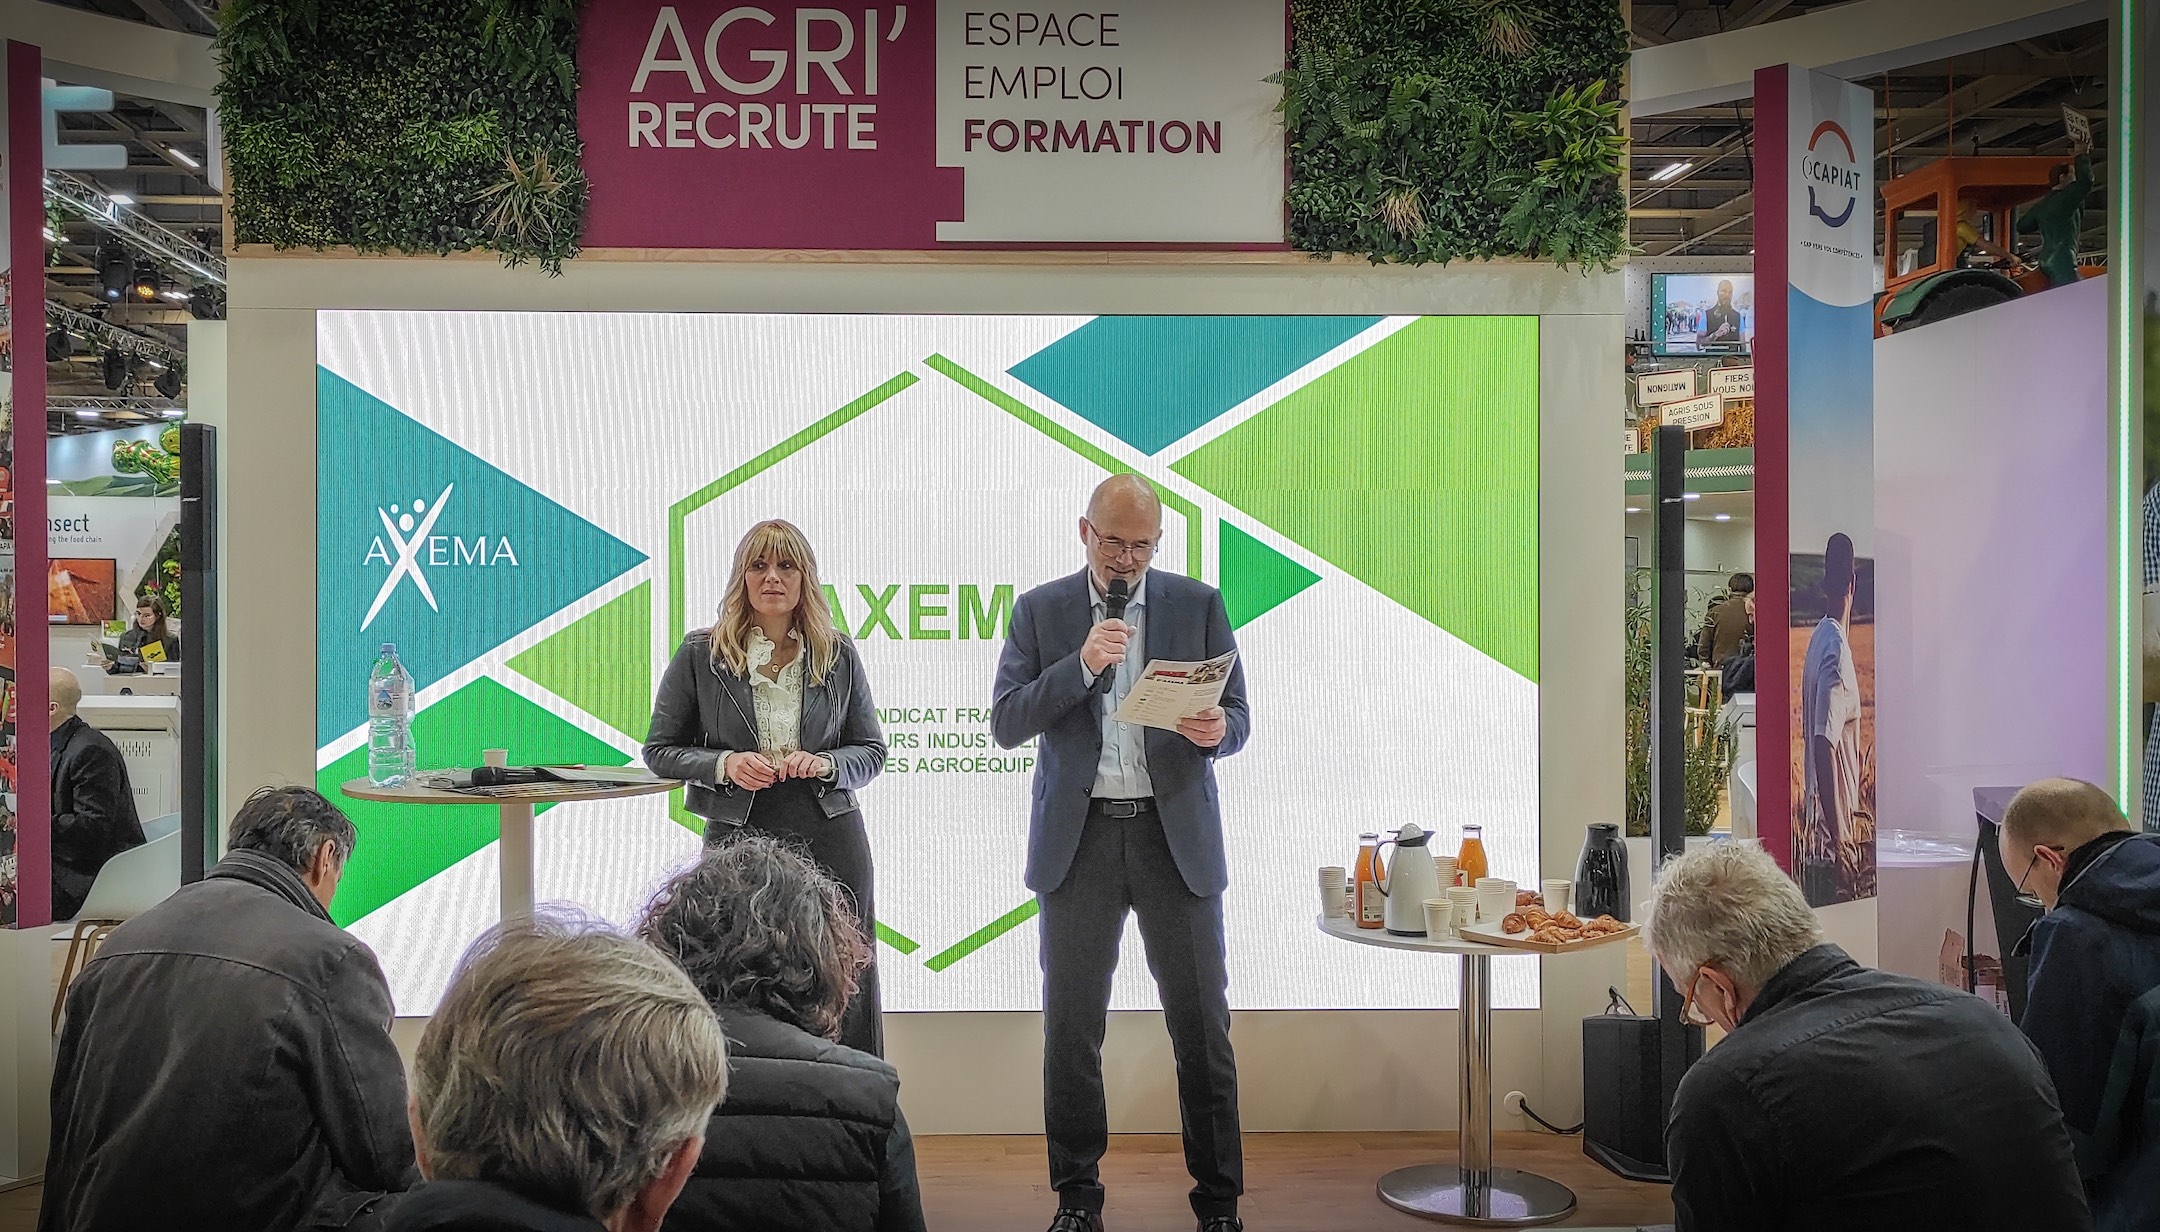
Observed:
{"x":618,"y":635}
{"x":1256,"y":579}
{"x":1413,"y":466}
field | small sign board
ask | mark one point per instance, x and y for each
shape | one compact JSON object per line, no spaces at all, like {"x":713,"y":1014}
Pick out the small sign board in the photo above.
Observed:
{"x":1733,"y":382}
{"x":1659,"y":388}
{"x":1694,"y":414}
{"x":1634,"y":441}
{"x":2077,"y":125}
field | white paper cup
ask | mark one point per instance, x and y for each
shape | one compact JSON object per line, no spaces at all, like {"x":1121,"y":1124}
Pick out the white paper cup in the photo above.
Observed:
{"x":1445,"y":867}
{"x":1494,"y":905}
{"x":1555,"y":893}
{"x":1439,"y":919}
{"x":494,"y":757}
{"x":1492,"y":883}
{"x":1464,"y":907}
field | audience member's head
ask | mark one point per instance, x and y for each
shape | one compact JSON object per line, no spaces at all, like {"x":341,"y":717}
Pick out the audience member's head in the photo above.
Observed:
{"x":1742,"y":584}
{"x":2045,"y":823}
{"x":1722,"y":922}
{"x":66,"y":697}
{"x":300,"y":829}
{"x":759,"y":926}
{"x":572,"y":1065}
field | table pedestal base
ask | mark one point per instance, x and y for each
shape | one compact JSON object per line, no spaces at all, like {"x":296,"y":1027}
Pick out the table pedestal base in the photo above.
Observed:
{"x":1508,"y":1199}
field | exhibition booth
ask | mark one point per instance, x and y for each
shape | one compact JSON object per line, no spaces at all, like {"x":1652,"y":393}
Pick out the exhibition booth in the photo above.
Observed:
{"x":526,"y":462}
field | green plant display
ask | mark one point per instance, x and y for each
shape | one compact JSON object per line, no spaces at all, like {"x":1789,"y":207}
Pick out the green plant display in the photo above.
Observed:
{"x":1428,"y":130}
{"x":146,"y":468}
{"x":404,"y":125}
{"x":1709,"y":761}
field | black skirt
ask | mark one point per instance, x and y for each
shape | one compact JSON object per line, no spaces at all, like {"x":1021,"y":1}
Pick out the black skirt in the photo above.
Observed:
{"x":790,"y":812}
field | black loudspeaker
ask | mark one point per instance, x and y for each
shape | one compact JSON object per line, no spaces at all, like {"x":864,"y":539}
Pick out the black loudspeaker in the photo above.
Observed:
{"x":199,"y":678}
{"x":1632,"y":1065}
{"x":1624,"y":1100}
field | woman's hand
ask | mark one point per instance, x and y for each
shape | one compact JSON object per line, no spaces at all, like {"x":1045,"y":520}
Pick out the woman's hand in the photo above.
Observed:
{"x":801,"y":765}
{"x":749,"y":771}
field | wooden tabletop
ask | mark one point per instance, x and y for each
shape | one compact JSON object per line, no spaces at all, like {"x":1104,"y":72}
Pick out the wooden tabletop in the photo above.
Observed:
{"x":545,"y":793}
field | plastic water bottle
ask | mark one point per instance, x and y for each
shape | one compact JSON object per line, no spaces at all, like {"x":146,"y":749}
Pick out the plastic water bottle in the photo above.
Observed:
{"x":390,"y":758}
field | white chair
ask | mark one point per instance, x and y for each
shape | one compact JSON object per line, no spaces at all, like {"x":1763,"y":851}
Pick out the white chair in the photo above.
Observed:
{"x":130,"y":883}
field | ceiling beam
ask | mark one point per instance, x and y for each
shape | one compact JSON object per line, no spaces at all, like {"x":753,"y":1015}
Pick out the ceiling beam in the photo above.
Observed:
{"x":161,"y":14}
{"x":1756,"y":12}
{"x":1739,"y":210}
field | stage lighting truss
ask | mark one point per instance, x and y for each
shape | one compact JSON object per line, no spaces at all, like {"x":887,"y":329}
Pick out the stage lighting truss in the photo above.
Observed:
{"x":113,"y":337}
{"x":137,"y":228}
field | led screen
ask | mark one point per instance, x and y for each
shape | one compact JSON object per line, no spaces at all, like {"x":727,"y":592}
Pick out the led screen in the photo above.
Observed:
{"x":1703,"y":312}
{"x":534,"y":506}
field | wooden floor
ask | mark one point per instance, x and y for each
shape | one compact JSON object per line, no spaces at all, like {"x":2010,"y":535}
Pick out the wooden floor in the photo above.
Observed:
{"x":1295,"y":1183}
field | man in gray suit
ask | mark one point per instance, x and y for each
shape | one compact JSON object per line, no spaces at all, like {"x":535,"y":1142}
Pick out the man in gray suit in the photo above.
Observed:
{"x":1125,"y":819}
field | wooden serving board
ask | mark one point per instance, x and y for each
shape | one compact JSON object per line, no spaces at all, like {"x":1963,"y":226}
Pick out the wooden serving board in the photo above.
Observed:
{"x":1490,"y":934}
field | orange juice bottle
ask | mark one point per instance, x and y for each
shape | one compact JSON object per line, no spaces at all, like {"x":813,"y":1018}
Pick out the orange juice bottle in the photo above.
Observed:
{"x":1369,"y":907}
{"x":1470,"y":861}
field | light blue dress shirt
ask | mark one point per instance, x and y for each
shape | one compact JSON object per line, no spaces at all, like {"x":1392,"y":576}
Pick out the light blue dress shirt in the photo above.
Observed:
{"x":1122,"y":773}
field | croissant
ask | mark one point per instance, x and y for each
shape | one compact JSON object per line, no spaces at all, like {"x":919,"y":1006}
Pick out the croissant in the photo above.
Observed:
{"x":1514,"y":924}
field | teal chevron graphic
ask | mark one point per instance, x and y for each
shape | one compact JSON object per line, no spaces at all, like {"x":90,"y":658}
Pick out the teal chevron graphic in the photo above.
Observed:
{"x":1148,"y":381}
{"x":420,"y":543}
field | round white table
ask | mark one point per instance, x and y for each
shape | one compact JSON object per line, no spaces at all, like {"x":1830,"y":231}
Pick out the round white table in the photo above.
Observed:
{"x":514,"y":850}
{"x":1470,"y":1191}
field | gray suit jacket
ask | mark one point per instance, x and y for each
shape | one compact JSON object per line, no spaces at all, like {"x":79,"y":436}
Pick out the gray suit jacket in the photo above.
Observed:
{"x":1042,"y":691}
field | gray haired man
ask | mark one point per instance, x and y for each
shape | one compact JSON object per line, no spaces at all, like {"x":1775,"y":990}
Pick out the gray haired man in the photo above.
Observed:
{"x":563,"y":1085}
{"x":226,"y":1060}
{"x":1842,"y":1097}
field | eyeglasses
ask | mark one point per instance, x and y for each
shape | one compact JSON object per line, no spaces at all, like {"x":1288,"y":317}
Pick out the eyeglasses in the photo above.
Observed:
{"x":1691,"y":1011}
{"x":1139,"y":550}
{"x":2033,"y":900}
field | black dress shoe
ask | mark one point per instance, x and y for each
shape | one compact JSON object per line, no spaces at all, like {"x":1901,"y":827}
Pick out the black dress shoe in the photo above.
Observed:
{"x":1073,"y":1219}
{"x":1222,"y":1223}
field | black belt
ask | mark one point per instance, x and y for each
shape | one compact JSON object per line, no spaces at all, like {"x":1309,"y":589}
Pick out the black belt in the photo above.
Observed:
{"x":1121,"y":808}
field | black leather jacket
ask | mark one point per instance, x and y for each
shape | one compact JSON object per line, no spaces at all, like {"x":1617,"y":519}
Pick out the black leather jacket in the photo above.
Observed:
{"x":703,"y":712}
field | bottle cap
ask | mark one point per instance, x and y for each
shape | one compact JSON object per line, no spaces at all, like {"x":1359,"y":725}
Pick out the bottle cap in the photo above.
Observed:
{"x":389,"y":647}
{"x":1374,"y":835}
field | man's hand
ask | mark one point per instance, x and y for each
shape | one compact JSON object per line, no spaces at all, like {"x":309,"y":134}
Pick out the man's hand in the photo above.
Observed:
{"x":1206,"y":728}
{"x":749,"y":771}
{"x":1105,"y":646}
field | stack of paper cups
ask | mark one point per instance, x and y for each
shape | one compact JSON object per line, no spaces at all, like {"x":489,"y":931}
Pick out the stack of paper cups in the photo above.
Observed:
{"x":1445,"y":866}
{"x":1334,"y":892}
{"x":1463,"y":900}
{"x":1495,"y":898}
{"x":1556,"y":894}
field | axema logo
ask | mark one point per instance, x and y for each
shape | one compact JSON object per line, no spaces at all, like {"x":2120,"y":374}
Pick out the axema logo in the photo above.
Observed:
{"x":1821,"y":169}
{"x":413,"y":547}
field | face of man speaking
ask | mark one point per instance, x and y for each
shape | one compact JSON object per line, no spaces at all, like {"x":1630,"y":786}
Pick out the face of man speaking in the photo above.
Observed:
{"x":1121,"y":531}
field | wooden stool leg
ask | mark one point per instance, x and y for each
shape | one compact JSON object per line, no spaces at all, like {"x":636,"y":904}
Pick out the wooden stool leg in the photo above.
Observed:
{"x":68,"y":970}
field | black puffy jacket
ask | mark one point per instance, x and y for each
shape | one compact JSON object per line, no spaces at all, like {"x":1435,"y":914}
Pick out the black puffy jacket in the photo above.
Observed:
{"x":810,"y":1137}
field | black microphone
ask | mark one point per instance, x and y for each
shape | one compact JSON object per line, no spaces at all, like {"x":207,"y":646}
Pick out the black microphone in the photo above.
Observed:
{"x":1113,"y":609}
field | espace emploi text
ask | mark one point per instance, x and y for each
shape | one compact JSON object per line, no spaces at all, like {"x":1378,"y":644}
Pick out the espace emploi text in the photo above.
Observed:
{"x":758,"y":83}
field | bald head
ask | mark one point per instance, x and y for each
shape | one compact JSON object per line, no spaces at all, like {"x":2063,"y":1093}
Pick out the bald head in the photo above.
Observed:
{"x":1125,"y":495}
{"x":66,"y":695}
{"x":2066,"y":813}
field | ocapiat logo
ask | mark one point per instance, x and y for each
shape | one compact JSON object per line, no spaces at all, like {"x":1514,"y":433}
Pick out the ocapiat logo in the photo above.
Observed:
{"x":1827,"y":177}
{"x":410,"y":546}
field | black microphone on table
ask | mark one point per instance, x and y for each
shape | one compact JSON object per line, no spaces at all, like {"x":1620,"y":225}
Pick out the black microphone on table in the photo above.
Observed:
{"x":1113,"y":609}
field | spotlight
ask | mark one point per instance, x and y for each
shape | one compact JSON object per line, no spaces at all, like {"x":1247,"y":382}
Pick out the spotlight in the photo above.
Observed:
{"x":145,"y":287}
{"x":59,"y":344}
{"x":168,"y":384}
{"x":120,"y":198}
{"x":207,"y":302}
{"x":119,"y":367}
{"x":114,"y":272}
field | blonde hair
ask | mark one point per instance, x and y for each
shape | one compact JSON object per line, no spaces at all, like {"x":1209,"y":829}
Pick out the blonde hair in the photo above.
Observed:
{"x":813,"y":616}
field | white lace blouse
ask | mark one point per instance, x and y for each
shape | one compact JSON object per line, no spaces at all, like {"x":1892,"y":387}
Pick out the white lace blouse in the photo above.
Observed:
{"x":779,"y":702}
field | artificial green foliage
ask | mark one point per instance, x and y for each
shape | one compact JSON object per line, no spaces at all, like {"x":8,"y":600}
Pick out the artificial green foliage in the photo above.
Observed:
{"x":1427,"y":130}
{"x":399,"y":125}
{"x":1708,"y":762}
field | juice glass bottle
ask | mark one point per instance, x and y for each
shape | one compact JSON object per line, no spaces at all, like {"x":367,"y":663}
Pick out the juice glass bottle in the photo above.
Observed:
{"x":1470,"y":861}
{"x":1368,"y":905}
